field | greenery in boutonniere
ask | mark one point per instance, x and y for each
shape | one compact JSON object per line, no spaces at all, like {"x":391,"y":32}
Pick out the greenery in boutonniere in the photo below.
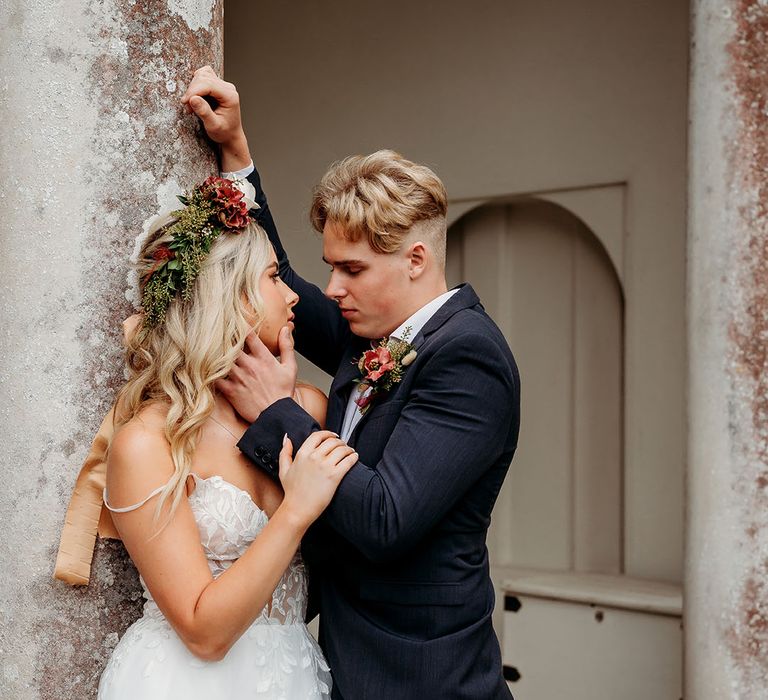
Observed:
{"x":382,"y":367}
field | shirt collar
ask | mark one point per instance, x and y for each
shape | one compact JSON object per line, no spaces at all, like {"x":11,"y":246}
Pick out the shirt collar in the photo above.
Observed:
{"x":417,"y":320}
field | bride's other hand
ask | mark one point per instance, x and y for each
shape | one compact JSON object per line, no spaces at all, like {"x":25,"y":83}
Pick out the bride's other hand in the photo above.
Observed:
{"x":222,"y":121}
{"x":311,"y":477}
{"x":131,"y":325}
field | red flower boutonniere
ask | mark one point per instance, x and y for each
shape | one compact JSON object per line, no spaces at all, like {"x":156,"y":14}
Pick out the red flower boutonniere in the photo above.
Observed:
{"x":382,"y":367}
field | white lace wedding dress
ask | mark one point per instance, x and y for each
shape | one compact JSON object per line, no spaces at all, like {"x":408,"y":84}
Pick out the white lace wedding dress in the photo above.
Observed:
{"x":276,"y":658}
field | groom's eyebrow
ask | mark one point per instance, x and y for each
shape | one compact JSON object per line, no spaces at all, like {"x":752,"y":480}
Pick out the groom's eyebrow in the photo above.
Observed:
{"x":345,"y":263}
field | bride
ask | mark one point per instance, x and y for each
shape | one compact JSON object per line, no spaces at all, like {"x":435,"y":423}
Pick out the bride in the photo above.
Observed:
{"x":214,"y":540}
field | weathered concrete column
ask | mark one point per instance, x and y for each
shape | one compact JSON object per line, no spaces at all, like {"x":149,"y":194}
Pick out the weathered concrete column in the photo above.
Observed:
{"x":92,"y":142}
{"x":727,"y":554}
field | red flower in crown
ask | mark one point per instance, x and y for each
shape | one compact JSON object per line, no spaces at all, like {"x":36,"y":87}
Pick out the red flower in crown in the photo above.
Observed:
{"x":235,"y":218}
{"x":163,"y":253}
{"x":232,"y":211}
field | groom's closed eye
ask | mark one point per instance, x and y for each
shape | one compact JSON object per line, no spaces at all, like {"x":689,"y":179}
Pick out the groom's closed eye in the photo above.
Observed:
{"x":349,"y":267}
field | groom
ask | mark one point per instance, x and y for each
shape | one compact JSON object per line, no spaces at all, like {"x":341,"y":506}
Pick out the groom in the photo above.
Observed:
{"x":399,"y":557}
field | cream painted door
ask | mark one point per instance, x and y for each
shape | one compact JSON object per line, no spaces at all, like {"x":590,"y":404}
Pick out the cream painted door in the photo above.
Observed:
{"x":551,"y":288}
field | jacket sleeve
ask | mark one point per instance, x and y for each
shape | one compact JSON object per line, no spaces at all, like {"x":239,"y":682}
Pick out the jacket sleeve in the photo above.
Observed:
{"x":453,"y":427}
{"x":263,"y":439}
{"x":321,"y":332}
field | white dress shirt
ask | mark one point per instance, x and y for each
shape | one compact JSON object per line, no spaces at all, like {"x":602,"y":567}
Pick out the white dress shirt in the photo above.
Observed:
{"x":416,"y":322}
{"x":239,"y":174}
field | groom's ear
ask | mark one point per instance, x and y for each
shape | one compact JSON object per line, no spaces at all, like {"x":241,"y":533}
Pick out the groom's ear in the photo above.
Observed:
{"x":417,"y":259}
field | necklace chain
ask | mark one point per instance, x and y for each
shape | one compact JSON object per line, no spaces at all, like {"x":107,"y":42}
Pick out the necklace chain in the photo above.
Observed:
{"x":224,"y":426}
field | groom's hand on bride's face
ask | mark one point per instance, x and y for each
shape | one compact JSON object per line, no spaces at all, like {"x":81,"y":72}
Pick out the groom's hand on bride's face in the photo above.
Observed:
{"x":217,"y":104}
{"x":258,"y":378}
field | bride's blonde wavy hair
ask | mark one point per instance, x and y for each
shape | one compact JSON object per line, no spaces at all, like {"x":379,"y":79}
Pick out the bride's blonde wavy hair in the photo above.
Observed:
{"x":178,"y":361}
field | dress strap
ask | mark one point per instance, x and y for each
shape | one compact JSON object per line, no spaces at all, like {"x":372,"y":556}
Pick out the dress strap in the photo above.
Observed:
{"x":128,"y":509}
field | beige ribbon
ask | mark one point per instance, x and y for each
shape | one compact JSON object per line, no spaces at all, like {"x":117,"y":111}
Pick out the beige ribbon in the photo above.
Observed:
{"x":86,"y":516}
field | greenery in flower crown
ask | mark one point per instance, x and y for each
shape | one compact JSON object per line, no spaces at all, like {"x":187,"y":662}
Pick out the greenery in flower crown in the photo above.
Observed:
{"x":212,"y":208}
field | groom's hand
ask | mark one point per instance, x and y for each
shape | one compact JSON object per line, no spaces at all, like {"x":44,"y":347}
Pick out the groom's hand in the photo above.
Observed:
{"x":259,"y":379}
{"x":222,"y":121}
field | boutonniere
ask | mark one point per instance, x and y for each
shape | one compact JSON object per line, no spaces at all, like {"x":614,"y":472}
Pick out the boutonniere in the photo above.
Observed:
{"x":382,"y":367}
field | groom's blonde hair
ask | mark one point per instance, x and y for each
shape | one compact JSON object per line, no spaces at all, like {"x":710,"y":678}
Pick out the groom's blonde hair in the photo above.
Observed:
{"x":385,"y":198}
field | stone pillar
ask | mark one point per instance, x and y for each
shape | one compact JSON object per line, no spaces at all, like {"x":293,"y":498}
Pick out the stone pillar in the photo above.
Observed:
{"x":92,"y":143}
{"x":727,"y":548}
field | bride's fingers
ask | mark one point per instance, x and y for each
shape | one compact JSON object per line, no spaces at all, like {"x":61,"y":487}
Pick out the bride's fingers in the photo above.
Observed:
{"x":328,"y":445}
{"x":314,"y":440}
{"x":345,"y":465}
{"x":339,"y":453}
{"x":131,"y":325}
{"x":285,"y":458}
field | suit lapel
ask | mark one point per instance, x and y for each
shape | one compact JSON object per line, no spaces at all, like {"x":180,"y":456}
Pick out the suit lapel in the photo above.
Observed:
{"x":343,"y":382}
{"x":463,"y":299}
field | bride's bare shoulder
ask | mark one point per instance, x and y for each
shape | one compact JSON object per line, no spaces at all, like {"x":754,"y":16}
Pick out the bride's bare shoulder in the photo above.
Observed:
{"x":147,"y":426}
{"x":139,"y":457}
{"x":313,"y":401}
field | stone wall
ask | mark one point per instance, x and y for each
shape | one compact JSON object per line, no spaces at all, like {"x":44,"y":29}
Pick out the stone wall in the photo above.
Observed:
{"x":93,"y":142}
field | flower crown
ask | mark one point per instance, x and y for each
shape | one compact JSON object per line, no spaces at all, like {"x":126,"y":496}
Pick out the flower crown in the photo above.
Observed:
{"x":214,"y":207}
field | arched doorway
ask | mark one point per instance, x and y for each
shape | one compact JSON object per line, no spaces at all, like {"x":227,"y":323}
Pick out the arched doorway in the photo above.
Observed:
{"x":549,"y":284}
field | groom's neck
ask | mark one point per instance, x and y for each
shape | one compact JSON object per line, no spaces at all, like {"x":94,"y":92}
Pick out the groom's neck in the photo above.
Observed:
{"x":421,"y":296}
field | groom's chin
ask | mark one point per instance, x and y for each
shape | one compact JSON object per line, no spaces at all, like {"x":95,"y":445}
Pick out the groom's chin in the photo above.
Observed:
{"x":361,"y":332}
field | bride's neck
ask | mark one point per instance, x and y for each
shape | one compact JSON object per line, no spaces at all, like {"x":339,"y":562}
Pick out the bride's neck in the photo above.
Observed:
{"x":222,"y":409}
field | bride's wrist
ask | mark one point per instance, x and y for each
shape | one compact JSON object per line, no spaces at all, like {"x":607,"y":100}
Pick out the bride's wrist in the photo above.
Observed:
{"x":292,"y":517}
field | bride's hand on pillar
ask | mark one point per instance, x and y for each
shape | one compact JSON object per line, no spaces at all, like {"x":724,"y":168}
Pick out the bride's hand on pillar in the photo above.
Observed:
{"x":311,"y":477}
{"x":221,"y":121}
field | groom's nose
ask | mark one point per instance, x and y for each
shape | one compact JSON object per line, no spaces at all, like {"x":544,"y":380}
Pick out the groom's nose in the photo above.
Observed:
{"x":334,"y":290}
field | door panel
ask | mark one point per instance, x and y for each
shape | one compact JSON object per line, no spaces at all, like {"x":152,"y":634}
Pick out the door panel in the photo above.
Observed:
{"x":552,"y":290}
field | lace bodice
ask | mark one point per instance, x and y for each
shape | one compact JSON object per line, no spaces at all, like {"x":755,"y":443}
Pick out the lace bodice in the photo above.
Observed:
{"x":228,"y":521}
{"x":274,"y":659}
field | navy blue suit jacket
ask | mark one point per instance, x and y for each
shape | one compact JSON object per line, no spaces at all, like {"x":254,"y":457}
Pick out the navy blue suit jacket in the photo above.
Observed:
{"x":398,"y":559}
